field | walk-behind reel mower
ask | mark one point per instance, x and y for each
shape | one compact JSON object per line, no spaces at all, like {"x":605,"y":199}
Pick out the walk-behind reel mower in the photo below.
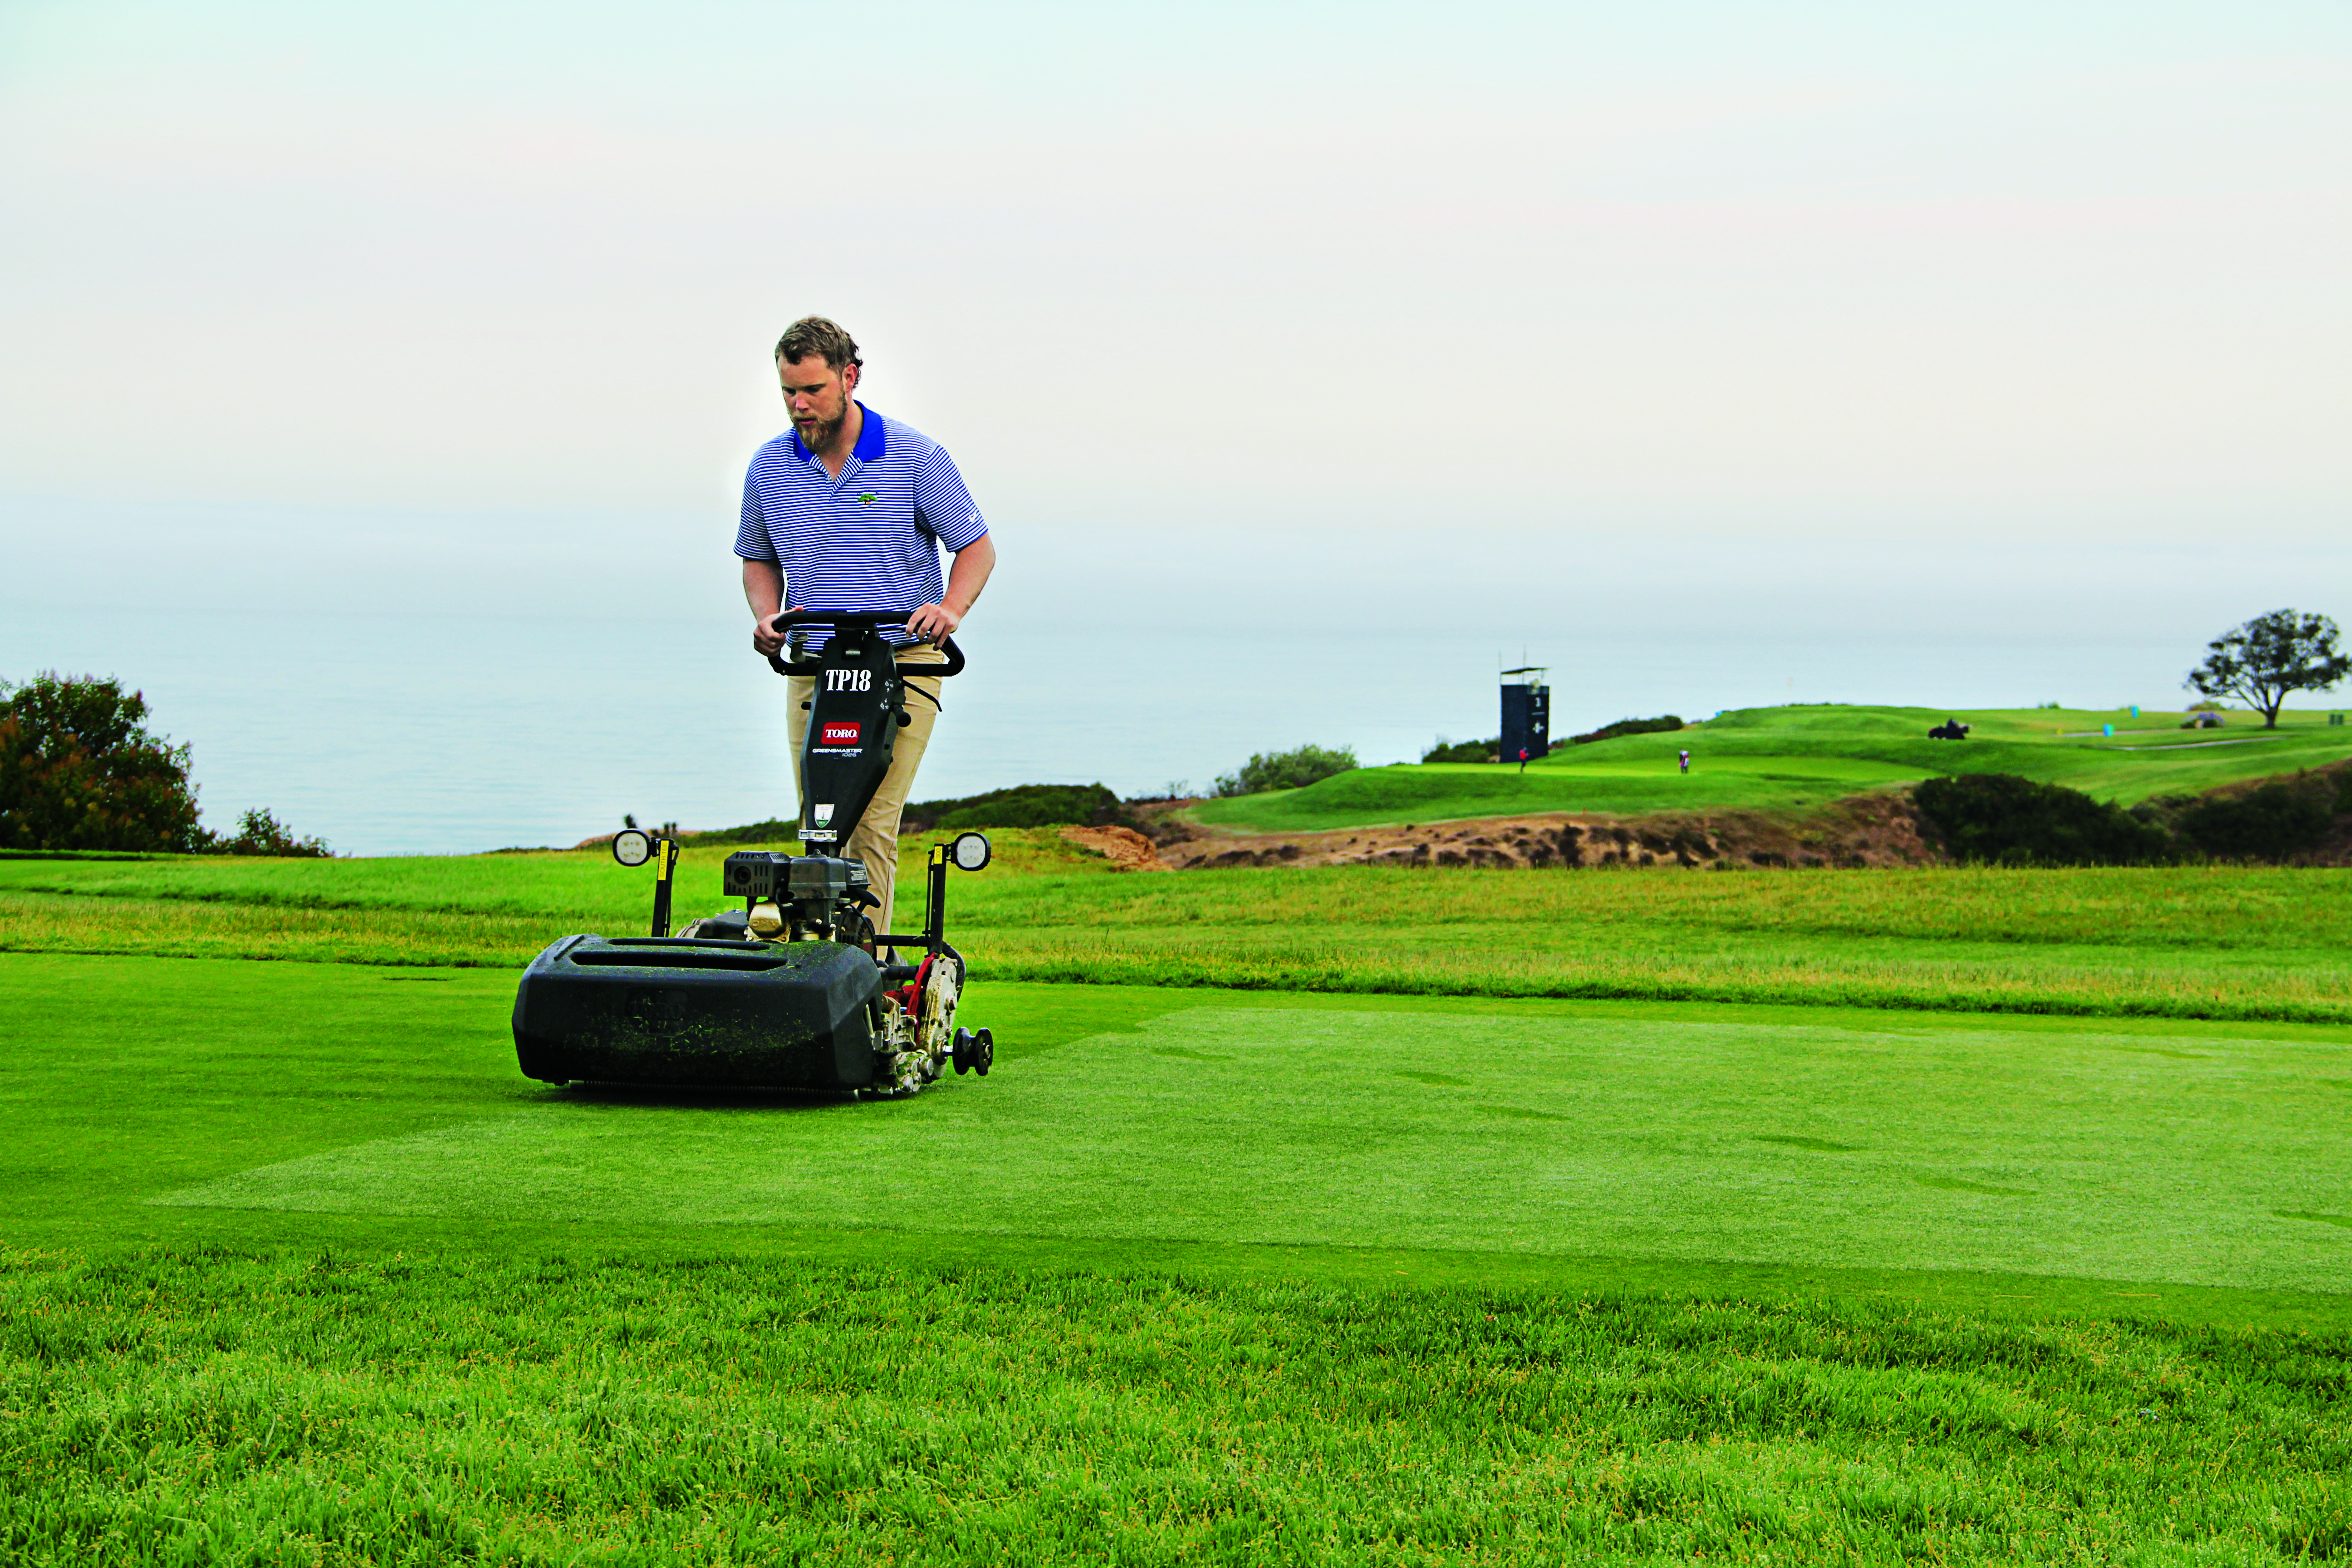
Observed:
{"x":795,"y":989}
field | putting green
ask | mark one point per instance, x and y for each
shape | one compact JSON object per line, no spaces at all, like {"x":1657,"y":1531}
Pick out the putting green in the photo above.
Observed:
{"x":2181,"y":1158}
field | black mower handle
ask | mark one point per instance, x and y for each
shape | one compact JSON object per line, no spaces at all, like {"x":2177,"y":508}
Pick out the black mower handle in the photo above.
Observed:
{"x":954,"y":666}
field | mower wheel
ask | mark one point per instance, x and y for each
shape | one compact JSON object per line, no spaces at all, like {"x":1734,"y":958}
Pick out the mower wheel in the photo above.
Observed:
{"x":961,"y":1051}
{"x":983,"y":1052}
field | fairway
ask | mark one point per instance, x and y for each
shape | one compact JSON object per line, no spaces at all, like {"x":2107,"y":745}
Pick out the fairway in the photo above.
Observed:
{"x":2195,"y":1156}
{"x":1934,"y":1146}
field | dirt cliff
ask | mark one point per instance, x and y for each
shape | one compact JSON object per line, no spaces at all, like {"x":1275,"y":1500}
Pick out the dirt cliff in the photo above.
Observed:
{"x":1863,"y":831}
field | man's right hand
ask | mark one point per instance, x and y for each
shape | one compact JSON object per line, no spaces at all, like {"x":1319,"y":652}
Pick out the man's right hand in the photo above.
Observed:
{"x":766,"y":640}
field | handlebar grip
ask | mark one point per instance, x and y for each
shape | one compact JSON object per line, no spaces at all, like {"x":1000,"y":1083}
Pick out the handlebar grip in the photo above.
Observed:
{"x":831,"y":618}
{"x":954,"y":666}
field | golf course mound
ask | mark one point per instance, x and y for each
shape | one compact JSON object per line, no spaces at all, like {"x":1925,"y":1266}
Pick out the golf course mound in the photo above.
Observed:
{"x":1784,"y":759}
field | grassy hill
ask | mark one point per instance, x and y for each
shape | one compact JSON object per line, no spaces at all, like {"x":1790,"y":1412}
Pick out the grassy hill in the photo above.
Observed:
{"x":1750,"y":758}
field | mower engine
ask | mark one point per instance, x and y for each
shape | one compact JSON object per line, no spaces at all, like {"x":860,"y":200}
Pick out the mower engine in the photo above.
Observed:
{"x":801,"y":897}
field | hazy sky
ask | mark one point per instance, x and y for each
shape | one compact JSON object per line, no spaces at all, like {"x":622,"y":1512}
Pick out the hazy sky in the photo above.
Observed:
{"x":1629,"y":293}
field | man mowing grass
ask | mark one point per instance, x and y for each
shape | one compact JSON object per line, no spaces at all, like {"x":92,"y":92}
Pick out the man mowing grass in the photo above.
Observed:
{"x":845,"y":511}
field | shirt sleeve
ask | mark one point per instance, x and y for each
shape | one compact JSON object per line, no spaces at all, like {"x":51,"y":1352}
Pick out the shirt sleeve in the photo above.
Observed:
{"x":752,"y":540}
{"x":942,"y":505}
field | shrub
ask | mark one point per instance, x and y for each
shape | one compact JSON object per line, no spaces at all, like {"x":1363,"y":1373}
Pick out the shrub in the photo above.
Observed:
{"x":2001,"y":819}
{"x":1022,"y":805}
{"x":1660,"y":725}
{"x":1464,"y":751}
{"x":2269,"y":823}
{"x":79,"y":771}
{"x":260,"y":833}
{"x":1293,"y":769}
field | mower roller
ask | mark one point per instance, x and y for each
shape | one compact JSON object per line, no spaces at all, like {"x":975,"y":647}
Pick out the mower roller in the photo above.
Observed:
{"x":795,"y":990}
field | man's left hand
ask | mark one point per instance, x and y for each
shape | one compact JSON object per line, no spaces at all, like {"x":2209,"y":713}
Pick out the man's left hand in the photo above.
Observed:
{"x":932,"y":622}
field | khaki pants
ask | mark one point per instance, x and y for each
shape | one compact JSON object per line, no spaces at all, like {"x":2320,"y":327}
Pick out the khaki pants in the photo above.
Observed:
{"x":875,"y":840}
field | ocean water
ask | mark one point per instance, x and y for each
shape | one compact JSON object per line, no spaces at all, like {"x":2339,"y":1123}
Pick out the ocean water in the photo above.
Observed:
{"x":412,"y":682}
{"x":432,"y":733}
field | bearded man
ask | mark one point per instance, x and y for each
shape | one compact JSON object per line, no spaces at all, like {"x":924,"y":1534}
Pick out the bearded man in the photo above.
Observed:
{"x":847,"y":511}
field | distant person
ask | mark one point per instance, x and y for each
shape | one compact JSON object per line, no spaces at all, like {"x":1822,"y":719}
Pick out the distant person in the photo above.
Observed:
{"x":1684,"y":757}
{"x":846,"y":510}
{"x":1523,"y":759}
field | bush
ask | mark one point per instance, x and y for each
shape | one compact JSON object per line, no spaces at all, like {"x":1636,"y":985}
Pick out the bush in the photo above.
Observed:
{"x":1664,"y":724}
{"x":2269,"y":823}
{"x":2001,"y":819}
{"x":260,"y":833}
{"x":1464,"y":751}
{"x":79,"y":771}
{"x":1022,"y":805}
{"x":1293,"y":769}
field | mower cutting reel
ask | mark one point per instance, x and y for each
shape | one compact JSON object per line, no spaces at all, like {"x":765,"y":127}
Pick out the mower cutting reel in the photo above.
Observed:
{"x":795,"y":989}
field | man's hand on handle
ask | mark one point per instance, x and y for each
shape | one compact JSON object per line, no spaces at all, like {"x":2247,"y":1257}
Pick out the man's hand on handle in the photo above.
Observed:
{"x":932,"y":622}
{"x":766,"y":640}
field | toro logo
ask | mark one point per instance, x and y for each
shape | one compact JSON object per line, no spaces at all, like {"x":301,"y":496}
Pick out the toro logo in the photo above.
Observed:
{"x":841,"y":734}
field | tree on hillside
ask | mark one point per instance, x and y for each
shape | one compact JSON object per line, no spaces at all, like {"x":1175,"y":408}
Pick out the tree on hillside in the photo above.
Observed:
{"x":79,"y":771}
{"x":2260,"y":662}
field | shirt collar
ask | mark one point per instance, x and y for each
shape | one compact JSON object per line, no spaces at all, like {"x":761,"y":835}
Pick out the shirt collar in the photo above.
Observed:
{"x":872,"y":440}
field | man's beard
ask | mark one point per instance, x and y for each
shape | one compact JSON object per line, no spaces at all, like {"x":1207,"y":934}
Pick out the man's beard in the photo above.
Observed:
{"x":814,"y":437}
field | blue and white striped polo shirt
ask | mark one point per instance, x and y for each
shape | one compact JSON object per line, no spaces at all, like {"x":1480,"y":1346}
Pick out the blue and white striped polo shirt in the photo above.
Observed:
{"x":867,"y":540}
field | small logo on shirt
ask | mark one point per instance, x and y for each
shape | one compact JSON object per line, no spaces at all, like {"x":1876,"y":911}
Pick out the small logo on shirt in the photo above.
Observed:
{"x":869,"y":497}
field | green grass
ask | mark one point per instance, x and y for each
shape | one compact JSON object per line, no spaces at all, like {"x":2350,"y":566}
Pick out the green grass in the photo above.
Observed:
{"x":1191,"y":1278}
{"x":2182,"y":941}
{"x":1783,"y":758}
{"x":135,"y":1080}
{"x":1633,"y":1134}
{"x":220,"y":1406}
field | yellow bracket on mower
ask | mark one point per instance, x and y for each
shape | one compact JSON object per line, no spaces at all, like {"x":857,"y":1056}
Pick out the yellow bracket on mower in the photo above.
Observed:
{"x":634,"y":847}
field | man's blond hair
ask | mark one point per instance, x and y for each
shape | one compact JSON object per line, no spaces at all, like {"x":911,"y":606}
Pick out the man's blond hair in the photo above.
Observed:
{"x":815,"y":335}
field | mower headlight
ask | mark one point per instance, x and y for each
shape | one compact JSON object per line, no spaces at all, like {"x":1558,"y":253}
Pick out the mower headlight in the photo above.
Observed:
{"x":631,"y":847}
{"x":969,"y":851}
